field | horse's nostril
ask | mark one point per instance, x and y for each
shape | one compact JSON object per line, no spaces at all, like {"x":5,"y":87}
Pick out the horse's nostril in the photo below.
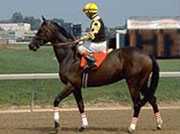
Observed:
{"x":34,"y":48}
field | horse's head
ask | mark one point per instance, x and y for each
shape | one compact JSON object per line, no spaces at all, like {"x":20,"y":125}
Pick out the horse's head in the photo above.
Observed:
{"x":49,"y":31}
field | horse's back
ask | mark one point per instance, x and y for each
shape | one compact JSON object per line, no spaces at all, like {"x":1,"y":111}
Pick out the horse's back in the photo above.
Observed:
{"x":128,"y":53}
{"x":125,"y":57}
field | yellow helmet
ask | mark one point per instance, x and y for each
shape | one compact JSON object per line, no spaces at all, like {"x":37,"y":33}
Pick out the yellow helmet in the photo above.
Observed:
{"x":90,"y":8}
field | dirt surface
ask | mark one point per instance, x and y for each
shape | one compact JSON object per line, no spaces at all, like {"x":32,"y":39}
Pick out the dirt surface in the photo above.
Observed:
{"x":100,"y":122}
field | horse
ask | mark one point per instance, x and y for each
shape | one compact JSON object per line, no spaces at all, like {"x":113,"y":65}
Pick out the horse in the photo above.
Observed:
{"x":140,"y":71}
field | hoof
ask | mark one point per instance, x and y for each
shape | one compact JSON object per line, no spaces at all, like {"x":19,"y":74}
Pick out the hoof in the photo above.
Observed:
{"x":159,"y":125}
{"x":56,"y":125}
{"x":81,"y":129}
{"x":130,"y":130}
{"x":56,"y":131}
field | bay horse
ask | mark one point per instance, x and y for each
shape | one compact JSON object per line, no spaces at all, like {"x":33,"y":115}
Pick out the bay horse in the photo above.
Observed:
{"x":141,"y":72}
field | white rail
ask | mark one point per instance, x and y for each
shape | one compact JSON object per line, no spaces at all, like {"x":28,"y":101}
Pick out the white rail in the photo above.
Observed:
{"x":36,"y":76}
{"x":169,"y":74}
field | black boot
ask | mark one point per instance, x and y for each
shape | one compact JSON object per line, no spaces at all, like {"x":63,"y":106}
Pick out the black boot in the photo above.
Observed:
{"x":91,"y":62}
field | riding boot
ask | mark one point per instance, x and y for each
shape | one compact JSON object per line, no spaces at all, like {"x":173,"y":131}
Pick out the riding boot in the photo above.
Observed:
{"x":90,"y":62}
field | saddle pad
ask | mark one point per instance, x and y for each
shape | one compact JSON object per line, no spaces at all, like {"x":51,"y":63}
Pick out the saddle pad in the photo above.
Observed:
{"x":99,"y":57}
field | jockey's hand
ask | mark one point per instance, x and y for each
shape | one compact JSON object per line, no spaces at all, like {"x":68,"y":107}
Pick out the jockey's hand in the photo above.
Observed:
{"x":78,"y":41}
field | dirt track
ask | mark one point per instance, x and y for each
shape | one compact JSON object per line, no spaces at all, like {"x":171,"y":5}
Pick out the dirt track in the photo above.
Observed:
{"x":100,"y":122}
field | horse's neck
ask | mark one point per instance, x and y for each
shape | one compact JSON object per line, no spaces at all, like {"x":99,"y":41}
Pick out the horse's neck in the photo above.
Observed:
{"x":60,"y":38}
{"x":64,"y":54}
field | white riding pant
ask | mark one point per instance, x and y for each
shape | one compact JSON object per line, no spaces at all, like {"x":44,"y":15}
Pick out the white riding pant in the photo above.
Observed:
{"x":92,"y":47}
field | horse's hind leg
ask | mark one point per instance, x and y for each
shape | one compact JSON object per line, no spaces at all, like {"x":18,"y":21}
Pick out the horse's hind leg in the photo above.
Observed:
{"x":157,"y":115}
{"x":135,"y":95}
{"x":152,"y":100}
{"x":66,"y":92}
{"x":78,"y":96}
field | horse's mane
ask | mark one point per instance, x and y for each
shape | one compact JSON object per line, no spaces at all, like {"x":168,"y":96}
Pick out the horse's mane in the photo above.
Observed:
{"x":62,"y":30}
{"x":68,"y":35}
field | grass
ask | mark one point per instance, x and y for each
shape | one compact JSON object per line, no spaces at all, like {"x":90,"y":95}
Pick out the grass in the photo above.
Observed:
{"x":19,"y":92}
{"x":169,"y":65}
{"x":24,"y":61}
{"x":21,"y":60}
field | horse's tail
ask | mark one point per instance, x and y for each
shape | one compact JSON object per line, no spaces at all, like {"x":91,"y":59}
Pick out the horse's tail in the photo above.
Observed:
{"x":155,"y":77}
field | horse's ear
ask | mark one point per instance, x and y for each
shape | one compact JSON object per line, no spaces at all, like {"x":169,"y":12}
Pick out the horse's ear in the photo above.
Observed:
{"x":43,"y":18}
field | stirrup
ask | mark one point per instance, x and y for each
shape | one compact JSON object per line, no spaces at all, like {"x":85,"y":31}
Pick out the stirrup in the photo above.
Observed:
{"x":87,"y":68}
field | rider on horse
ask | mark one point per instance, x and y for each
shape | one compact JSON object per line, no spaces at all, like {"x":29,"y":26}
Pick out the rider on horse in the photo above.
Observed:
{"x":96,"y":35}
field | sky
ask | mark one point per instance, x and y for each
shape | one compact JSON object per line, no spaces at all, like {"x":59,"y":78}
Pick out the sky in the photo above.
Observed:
{"x":113,"y":12}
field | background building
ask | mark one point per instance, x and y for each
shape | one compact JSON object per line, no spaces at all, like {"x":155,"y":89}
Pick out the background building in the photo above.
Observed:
{"x":157,"y":36}
{"x":77,"y":30}
{"x":19,"y":27}
{"x":12,"y":32}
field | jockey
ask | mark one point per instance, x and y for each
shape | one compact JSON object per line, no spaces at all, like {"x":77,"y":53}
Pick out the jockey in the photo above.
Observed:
{"x":96,"y":35}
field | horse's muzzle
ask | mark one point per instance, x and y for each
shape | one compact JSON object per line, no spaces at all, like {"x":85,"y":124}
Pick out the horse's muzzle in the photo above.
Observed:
{"x":32,"y":47}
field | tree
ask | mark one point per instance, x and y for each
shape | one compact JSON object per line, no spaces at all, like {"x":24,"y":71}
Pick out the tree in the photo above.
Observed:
{"x":17,"y":17}
{"x":59,"y":21}
{"x":35,"y":23}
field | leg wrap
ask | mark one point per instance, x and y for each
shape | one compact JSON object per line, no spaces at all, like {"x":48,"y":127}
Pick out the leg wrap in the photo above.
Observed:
{"x":158,"y":116}
{"x":56,"y":114}
{"x":84,"y":122}
{"x":159,"y":121}
{"x":133,"y":123}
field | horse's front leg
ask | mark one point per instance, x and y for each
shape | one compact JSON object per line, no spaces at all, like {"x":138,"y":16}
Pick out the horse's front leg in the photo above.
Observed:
{"x":78,"y":96}
{"x":68,"y":89}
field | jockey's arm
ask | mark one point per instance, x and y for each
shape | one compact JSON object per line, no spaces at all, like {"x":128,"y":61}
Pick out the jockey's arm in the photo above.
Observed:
{"x":94,"y":29}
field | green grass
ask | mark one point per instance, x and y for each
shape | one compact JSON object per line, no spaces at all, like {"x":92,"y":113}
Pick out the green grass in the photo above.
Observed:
{"x":19,"y":92}
{"x":169,"y":65}
{"x":24,"y":61}
{"x":21,"y":60}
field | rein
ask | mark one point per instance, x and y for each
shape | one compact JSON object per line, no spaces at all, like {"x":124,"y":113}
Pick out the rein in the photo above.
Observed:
{"x":66,"y":44}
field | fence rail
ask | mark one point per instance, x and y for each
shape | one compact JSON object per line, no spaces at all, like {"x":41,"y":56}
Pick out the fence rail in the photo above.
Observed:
{"x":33,"y":76}
{"x":37,"y":76}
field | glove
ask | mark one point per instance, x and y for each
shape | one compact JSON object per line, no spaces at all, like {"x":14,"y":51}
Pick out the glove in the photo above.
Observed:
{"x":78,"y":41}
